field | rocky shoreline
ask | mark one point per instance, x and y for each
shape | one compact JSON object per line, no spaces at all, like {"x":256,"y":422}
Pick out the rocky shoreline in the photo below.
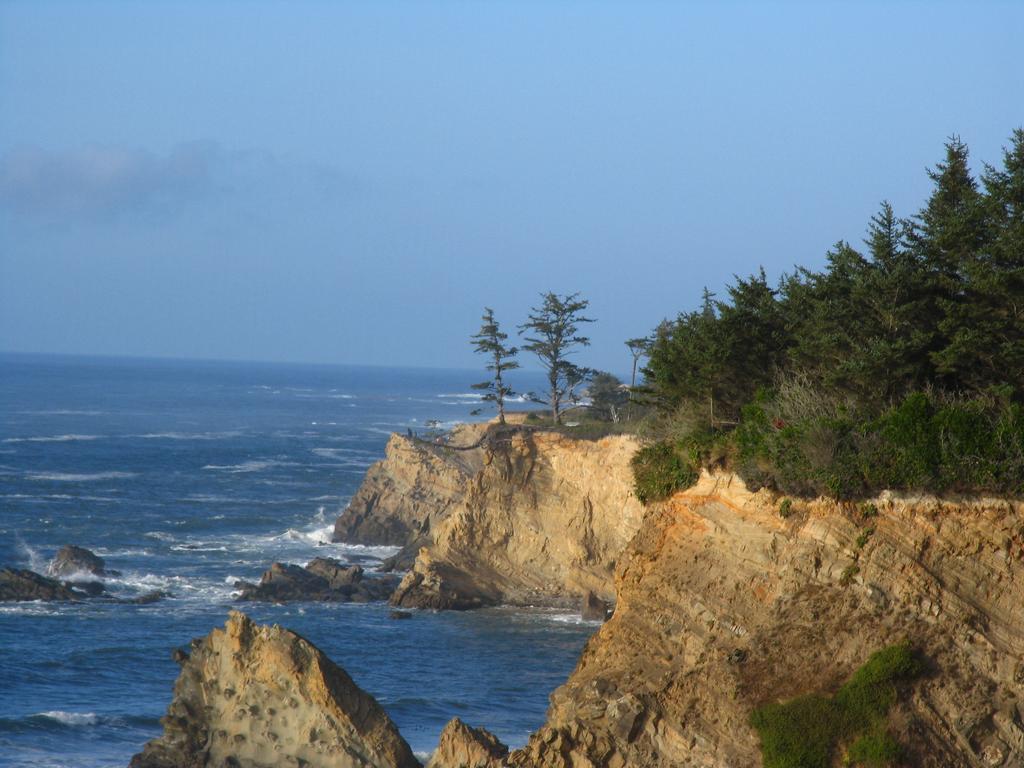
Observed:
{"x":721,"y":604}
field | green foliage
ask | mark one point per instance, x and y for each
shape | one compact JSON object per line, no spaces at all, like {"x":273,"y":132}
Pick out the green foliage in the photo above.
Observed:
{"x":875,"y":749}
{"x":806,"y":732}
{"x":552,"y":334}
{"x":849,"y":574}
{"x":659,"y":471}
{"x":901,"y":367}
{"x":864,"y":537}
{"x":608,"y":397}
{"x":490,"y":341}
{"x":786,"y":508}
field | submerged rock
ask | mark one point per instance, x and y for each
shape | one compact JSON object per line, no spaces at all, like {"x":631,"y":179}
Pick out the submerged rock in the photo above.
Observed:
{"x":18,"y":585}
{"x":252,"y":696}
{"x":323,"y":580}
{"x":461,"y":746}
{"x":71,"y":561}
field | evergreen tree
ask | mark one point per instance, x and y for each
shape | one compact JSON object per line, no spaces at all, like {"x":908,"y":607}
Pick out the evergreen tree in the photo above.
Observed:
{"x":490,"y":341}
{"x":894,"y":296}
{"x":607,"y":396}
{"x":637,"y":349}
{"x":948,"y":235}
{"x":552,"y":333}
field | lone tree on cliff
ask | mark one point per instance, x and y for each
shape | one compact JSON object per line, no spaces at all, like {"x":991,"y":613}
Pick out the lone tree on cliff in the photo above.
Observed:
{"x":490,"y":341}
{"x":552,"y":334}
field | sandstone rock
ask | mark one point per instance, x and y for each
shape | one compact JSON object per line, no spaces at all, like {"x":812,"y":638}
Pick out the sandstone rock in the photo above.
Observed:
{"x":416,"y":485}
{"x":526,"y":518}
{"x":325,"y":580}
{"x":254,"y":696}
{"x":440,"y":587}
{"x":723,"y":606}
{"x":461,"y":746}
{"x":593,"y":608}
{"x":71,"y":561}
{"x":21,"y":585}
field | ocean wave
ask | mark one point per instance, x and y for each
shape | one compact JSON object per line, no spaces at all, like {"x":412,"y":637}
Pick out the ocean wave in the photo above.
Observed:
{"x":190,"y":435}
{"x":52,"y":438}
{"x":70,"y":718}
{"x":78,"y":477}
{"x":462,"y":396}
{"x":254,"y":465}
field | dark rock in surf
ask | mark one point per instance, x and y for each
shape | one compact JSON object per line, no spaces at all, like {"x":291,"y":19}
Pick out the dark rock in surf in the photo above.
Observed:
{"x":325,"y":580}
{"x":21,"y":585}
{"x":71,"y":561}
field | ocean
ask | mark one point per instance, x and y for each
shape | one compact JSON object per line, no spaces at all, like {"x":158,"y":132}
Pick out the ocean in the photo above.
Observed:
{"x":187,"y":476}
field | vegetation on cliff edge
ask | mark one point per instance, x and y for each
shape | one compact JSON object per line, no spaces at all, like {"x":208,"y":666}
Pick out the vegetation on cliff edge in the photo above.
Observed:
{"x":898,"y":368}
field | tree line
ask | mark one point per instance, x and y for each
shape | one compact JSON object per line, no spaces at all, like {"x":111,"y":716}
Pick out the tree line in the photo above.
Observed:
{"x":553,"y":334}
{"x":899,"y":364}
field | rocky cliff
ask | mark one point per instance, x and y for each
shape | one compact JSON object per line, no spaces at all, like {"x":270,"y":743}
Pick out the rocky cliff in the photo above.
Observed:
{"x":253,"y":696}
{"x":724,"y":605}
{"x":521,"y":517}
{"x":726,"y":600}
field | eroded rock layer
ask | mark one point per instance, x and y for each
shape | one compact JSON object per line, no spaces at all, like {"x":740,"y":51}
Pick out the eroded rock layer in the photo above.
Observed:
{"x":544,"y":519}
{"x":724,"y":605}
{"x":254,"y":696}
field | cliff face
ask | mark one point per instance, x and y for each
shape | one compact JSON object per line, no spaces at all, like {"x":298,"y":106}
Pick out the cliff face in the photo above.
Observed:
{"x":723,"y":605}
{"x":414,"y":486}
{"x":522,"y":517}
{"x":544,"y":519}
{"x":251,"y":696}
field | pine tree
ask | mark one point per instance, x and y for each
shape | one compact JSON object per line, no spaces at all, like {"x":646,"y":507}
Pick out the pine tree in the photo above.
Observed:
{"x":552,"y":334}
{"x":947,"y":236}
{"x":490,"y":341}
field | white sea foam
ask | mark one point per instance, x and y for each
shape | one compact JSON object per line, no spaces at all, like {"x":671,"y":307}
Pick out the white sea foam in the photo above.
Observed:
{"x":70,"y":718}
{"x":254,"y":465}
{"x":462,"y":396}
{"x":190,"y":435}
{"x":52,"y":438}
{"x":160,"y":536}
{"x":78,"y":477}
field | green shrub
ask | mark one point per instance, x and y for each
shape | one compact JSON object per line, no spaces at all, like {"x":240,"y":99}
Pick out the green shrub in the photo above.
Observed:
{"x":786,"y":508}
{"x":805,"y":732}
{"x":876,"y":749}
{"x":865,"y":535}
{"x":659,"y":471}
{"x":849,"y":573}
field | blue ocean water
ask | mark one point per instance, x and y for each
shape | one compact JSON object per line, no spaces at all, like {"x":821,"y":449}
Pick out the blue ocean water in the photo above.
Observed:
{"x":186,"y":476}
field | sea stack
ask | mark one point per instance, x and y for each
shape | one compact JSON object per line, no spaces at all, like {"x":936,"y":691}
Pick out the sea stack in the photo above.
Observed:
{"x":250,"y":696}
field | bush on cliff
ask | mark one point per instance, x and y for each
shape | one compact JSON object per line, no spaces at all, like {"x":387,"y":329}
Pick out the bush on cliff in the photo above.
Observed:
{"x":806,"y":732}
{"x":659,"y":471}
{"x":901,"y":367}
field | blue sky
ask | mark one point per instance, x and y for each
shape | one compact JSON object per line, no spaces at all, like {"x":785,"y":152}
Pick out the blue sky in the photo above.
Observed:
{"x":354,"y":181}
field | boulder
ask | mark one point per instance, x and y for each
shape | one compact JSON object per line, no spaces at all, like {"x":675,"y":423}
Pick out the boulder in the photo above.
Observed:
{"x":593,"y":608}
{"x":461,"y":746}
{"x":439,"y":586}
{"x":252,"y":696}
{"x":336,"y":574}
{"x":21,"y":585}
{"x":324,"y":580}
{"x":71,"y":561}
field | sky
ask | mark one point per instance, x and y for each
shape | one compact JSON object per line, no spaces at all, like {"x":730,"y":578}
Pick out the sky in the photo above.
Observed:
{"x":354,"y":182}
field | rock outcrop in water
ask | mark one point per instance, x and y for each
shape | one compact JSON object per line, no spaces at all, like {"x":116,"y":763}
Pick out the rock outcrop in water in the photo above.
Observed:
{"x":73,"y":561}
{"x":524,"y":517}
{"x":19,"y":585}
{"x":254,"y":696}
{"x":461,"y":746}
{"x":323,"y":579}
